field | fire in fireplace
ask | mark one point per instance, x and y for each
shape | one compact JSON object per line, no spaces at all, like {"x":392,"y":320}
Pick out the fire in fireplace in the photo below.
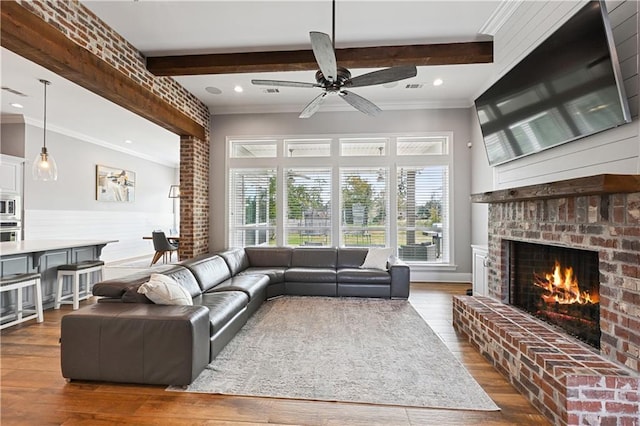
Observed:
{"x":559,"y":285}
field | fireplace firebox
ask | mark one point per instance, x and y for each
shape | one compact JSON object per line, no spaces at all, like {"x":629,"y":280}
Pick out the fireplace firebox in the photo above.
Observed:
{"x":558,"y":285}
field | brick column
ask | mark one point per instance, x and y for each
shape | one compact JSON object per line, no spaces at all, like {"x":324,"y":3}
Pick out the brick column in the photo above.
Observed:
{"x":194,"y":197}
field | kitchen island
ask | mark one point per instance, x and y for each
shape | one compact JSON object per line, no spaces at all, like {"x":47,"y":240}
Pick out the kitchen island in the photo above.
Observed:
{"x":44,"y":256}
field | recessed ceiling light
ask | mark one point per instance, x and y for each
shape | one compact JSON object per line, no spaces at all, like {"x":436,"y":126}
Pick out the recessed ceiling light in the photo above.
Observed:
{"x":213,"y":90}
{"x":438,"y":82}
{"x":238,"y":89}
{"x":128,"y":141}
{"x":17,"y":105}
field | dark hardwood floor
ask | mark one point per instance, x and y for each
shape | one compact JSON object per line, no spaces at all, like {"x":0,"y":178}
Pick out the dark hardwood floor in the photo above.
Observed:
{"x":33,"y":391}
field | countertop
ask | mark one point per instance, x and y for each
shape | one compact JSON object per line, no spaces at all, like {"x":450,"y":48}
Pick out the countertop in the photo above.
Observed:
{"x":30,"y":246}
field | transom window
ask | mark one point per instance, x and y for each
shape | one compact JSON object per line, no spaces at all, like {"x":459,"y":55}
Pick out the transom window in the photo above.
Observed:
{"x":356,"y":191}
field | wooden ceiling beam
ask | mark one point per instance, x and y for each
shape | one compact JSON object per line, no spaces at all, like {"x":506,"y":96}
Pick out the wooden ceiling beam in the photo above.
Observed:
{"x":303,"y":60}
{"x":29,"y":36}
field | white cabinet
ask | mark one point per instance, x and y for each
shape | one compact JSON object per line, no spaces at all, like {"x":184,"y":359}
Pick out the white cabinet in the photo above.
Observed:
{"x":480,"y":255}
{"x":11,"y":174}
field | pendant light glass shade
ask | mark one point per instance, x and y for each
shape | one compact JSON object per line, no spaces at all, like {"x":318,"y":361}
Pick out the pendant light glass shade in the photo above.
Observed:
{"x":44,"y":166}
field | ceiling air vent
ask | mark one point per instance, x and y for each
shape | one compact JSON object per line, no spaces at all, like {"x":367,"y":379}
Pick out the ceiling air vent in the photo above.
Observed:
{"x":15,"y":92}
{"x":413,"y":86}
{"x":271,"y":90}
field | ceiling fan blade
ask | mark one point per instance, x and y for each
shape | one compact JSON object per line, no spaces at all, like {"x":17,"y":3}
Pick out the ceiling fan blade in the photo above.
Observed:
{"x":360,"y":103}
{"x":283,"y":83}
{"x":325,"y":56}
{"x":386,"y":75}
{"x":313,"y":106}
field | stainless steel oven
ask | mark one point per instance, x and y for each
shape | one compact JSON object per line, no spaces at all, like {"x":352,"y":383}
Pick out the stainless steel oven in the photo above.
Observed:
{"x":10,"y":207}
{"x":10,"y":230}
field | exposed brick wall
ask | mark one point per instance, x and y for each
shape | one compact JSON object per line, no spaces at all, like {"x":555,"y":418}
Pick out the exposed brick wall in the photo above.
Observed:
{"x":566,"y":380}
{"x":608,"y":224}
{"x":194,"y":197}
{"x":82,"y":26}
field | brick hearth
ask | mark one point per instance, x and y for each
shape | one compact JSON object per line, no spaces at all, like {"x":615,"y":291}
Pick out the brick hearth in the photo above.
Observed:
{"x":598,"y":213}
{"x":567,"y":380}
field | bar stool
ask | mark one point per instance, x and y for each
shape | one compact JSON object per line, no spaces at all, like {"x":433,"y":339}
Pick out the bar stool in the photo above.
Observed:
{"x":18,"y":282}
{"x":76,"y":271}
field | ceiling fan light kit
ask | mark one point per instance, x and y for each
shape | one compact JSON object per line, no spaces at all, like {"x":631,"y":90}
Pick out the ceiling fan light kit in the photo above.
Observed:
{"x":333,"y":79}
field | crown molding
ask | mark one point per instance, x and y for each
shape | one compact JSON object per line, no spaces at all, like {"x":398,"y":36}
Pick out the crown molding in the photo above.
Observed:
{"x":22,"y":119}
{"x":499,"y":17}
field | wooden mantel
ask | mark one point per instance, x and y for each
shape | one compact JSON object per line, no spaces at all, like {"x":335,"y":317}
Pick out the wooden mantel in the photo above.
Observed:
{"x":592,"y":185}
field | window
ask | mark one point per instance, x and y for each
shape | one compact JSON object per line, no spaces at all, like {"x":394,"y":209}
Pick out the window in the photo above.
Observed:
{"x":253,"y":149}
{"x":423,"y":231}
{"x":422,"y":145}
{"x":252,"y":207}
{"x":363,"y":146}
{"x":356,"y":191}
{"x":308,"y":147}
{"x":308,"y":207}
{"x":364,"y":207}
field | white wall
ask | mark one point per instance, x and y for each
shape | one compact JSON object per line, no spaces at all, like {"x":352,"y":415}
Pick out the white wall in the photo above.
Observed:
{"x":449,"y":120}
{"x":68,"y":209}
{"x":11,"y":138}
{"x":481,"y":181}
{"x":614,"y":151}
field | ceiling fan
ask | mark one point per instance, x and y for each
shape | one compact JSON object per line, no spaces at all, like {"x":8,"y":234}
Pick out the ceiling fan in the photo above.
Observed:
{"x":333,"y":79}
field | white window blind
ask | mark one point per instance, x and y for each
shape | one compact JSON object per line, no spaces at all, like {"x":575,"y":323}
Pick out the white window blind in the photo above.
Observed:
{"x":308,"y":207}
{"x":423,"y":214}
{"x":252,"y":207}
{"x":364,"y":206}
{"x":338,"y":191}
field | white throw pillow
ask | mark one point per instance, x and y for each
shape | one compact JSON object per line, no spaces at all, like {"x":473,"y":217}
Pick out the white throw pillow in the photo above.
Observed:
{"x":164,"y":290}
{"x":377,"y":258}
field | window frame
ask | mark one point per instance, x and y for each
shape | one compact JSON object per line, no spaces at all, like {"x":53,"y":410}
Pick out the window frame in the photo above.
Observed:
{"x":335,"y":161}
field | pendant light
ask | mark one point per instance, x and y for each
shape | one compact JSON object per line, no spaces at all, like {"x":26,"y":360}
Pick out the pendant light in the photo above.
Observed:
{"x":44,"y":166}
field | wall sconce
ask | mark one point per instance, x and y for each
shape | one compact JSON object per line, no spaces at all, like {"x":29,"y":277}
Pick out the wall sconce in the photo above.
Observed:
{"x":174,"y":191}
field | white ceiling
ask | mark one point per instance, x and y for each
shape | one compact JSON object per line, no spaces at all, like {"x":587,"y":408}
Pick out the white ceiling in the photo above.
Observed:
{"x":159,"y":27}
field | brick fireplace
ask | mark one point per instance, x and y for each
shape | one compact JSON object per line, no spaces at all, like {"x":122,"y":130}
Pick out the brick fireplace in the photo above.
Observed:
{"x":569,"y":381}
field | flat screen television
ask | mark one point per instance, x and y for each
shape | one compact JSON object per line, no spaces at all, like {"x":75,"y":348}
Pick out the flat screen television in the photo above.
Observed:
{"x":567,"y":88}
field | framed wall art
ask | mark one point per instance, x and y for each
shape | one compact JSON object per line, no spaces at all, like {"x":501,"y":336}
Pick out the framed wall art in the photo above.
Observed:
{"x":114,"y":184}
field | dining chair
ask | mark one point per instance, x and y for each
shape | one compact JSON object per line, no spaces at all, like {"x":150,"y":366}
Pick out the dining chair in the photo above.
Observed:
{"x":162,"y":246}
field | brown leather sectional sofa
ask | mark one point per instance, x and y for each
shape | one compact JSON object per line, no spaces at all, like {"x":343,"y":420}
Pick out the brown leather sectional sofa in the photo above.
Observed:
{"x":126,"y":338}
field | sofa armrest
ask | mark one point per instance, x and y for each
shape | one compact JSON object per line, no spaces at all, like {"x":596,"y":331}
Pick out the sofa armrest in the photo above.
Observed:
{"x":135,"y":343}
{"x":400,"y":278}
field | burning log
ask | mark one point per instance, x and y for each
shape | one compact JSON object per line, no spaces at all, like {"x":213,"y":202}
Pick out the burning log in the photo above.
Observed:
{"x":562,"y":287}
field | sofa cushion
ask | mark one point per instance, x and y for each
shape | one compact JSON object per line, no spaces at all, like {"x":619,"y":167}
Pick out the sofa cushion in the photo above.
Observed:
{"x":164,"y":290}
{"x":115,"y":288}
{"x":351,"y":257}
{"x":209,"y":271}
{"x":358,"y":275}
{"x":314,"y":258}
{"x":132,"y":296}
{"x":252,"y":285}
{"x":223,"y":306}
{"x":310,"y":275}
{"x":186,"y":279}
{"x":261,"y":257}
{"x":377,"y":258}
{"x":275,"y":274}
{"x":236,"y":259}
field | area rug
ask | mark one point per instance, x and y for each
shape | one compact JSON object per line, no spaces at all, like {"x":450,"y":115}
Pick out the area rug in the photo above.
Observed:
{"x":342,"y":349}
